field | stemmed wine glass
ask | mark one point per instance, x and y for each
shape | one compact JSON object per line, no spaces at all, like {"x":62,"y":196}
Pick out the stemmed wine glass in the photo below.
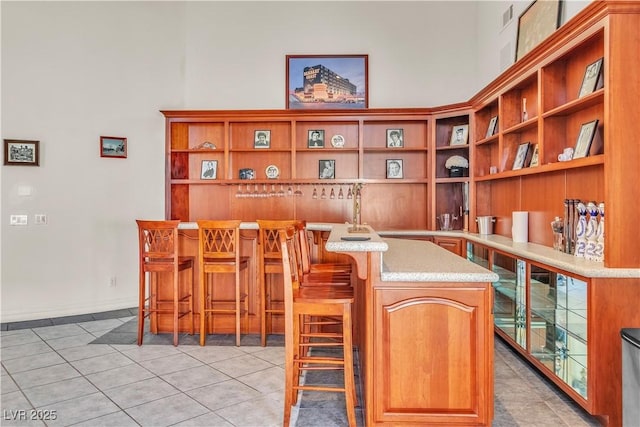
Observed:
{"x":281,"y":191}
{"x":298,"y":192}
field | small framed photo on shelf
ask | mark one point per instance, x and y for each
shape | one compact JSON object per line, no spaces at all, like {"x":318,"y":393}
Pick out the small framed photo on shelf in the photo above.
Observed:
{"x":493,"y":126}
{"x":247,"y":173}
{"x":395,"y":138}
{"x":113,"y":146}
{"x":18,"y":152}
{"x":521,"y":156}
{"x":209,"y":169}
{"x":262,"y":139}
{"x":327,"y":169}
{"x":459,"y":135}
{"x":585,"y":138}
{"x":592,"y":79}
{"x":315,"y":138}
{"x":535,"y":161}
{"x":394,"y":169}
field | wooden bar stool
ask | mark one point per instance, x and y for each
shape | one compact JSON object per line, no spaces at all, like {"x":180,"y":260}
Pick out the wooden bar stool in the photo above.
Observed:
{"x":311,"y":272}
{"x":219,"y":253}
{"x":158,"y":253}
{"x":303,"y":303}
{"x":270,"y":265}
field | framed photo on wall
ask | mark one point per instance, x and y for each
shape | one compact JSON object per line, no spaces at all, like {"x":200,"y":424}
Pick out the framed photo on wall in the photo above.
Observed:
{"x":327,"y":169}
{"x":315,"y":138}
{"x":537,"y":23}
{"x":209,"y":169}
{"x":262,"y":139}
{"x":585,"y":138}
{"x":395,"y":138}
{"x":318,"y":82}
{"x":394,"y":169}
{"x":18,"y":152}
{"x":459,"y":135}
{"x":113,"y":146}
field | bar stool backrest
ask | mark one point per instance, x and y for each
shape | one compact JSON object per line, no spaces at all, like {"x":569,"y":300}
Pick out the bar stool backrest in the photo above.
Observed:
{"x":158,"y":241}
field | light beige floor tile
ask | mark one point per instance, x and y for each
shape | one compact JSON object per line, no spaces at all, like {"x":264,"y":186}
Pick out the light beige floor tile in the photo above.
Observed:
{"x":147,"y":352}
{"x":27,"y":363}
{"x":59,"y":391}
{"x":207,"y":420}
{"x":84,"y":352}
{"x":22,"y":350}
{"x":168,"y":364}
{"x":58,"y":331}
{"x":134,"y":394}
{"x":221,"y":395}
{"x":71,"y":341}
{"x":101,"y":363}
{"x":167,"y":411}
{"x":242,"y":365}
{"x":266,"y":381}
{"x":200,"y":376}
{"x":116,"y":419}
{"x":262,"y":412}
{"x":119,"y":376}
{"x":210,"y":354}
{"x":42,"y":376}
{"x":80,"y":409}
{"x":24,"y":336}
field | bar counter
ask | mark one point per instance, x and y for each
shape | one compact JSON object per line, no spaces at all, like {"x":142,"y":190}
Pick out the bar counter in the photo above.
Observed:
{"x":424,"y":328}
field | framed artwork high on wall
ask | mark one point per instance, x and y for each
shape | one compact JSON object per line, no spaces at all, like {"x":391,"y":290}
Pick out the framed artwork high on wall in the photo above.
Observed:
{"x":537,"y":23}
{"x":319,"y":82}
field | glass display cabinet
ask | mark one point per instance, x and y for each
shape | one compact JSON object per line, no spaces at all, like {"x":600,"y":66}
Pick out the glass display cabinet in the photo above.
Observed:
{"x":558,"y":325}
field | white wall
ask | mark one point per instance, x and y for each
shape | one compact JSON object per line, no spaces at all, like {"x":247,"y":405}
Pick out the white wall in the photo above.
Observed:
{"x":73,"y":71}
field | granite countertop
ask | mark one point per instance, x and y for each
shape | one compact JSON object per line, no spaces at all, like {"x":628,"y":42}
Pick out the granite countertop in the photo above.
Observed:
{"x":421,"y":261}
{"x":527,"y":251}
{"x":340,"y":232}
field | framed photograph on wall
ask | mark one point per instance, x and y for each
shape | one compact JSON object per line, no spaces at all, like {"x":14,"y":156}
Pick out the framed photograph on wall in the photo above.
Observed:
{"x":493,"y":126}
{"x":537,"y":23}
{"x":315,"y":139}
{"x":18,"y":152}
{"x":521,"y":156}
{"x":395,"y":138}
{"x":585,"y":138}
{"x":209,"y":169}
{"x":592,"y":79}
{"x":113,"y":146}
{"x":394,"y":169}
{"x":317,"y":82}
{"x":459,"y":135}
{"x":262,"y":139}
{"x":327,"y":169}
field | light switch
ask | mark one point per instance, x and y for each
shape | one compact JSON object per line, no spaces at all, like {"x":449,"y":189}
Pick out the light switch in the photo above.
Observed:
{"x":24,"y":190}
{"x":18,"y":220}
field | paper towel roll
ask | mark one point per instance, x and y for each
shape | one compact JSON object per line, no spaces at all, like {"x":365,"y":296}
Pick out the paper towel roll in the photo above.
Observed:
{"x":520,"y":227}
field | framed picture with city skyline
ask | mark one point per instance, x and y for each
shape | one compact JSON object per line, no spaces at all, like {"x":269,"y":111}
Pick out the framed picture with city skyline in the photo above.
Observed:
{"x":322,"y":82}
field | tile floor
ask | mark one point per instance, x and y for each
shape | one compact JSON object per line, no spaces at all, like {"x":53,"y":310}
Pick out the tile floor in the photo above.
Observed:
{"x":56,"y":373}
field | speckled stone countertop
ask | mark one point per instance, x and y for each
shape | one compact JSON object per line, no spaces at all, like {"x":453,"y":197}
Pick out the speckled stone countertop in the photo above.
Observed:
{"x":339,"y":232}
{"x":420,"y":261}
{"x":527,"y":251}
{"x":530,"y":251}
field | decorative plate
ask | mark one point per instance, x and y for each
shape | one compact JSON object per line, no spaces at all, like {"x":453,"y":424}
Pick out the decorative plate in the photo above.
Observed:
{"x":272,"y":171}
{"x":337,"y":141}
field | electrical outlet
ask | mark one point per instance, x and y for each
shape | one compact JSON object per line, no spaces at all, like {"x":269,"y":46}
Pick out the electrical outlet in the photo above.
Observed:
{"x":18,"y":220}
{"x":40,"y":219}
{"x":112,"y":281}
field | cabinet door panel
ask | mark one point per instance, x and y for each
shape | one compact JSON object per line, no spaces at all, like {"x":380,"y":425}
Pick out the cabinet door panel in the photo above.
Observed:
{"x":448,"y":355}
